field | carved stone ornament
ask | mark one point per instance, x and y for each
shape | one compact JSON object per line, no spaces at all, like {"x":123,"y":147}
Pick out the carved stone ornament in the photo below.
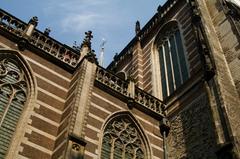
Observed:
{"x":76,"y":146}
{"x":33,"y":21}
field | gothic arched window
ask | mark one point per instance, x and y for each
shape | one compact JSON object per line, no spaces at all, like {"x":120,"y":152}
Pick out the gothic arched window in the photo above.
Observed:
{"x":13,"y":95}
{"x":123,"y":140}
{"x":173,"y":65}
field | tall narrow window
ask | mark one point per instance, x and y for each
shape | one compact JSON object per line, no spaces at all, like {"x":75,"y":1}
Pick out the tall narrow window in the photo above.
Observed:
{"x":172,"y":59}
{"x":122,"y":140}
{"x":13,"y":93}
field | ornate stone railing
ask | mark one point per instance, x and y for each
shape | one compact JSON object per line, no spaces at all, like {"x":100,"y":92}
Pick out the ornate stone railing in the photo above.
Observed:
{"x":148,"y":101}
{"x":112,"y":81}
{"x":11,"y":23}
{"x":121,"y":86}
{"x":53,"y":47}
{"x":39,"y":39}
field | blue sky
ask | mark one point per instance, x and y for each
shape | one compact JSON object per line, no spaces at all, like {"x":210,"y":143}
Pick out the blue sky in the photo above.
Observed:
{"x":113,"y":20}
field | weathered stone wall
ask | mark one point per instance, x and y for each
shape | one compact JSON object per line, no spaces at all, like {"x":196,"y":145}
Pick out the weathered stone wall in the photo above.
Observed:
{"x":228,"y":36}
{"x":192,"y":134}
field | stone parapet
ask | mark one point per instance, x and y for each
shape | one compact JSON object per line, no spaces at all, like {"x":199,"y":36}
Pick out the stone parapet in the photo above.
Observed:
{"x":48,"y":45}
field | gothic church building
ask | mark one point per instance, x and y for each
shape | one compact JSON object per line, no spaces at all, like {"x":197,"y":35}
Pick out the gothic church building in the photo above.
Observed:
{"x":171,"y":93}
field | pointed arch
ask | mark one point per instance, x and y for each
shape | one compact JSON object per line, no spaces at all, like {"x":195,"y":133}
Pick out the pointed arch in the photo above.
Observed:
{"x":123,"y":137}
{"x":171,"y":59}
{"x":17,"y":91}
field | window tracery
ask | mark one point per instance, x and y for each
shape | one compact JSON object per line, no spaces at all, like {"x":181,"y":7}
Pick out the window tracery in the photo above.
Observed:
{"x":13,"y":95}
{"x":122,"y":140}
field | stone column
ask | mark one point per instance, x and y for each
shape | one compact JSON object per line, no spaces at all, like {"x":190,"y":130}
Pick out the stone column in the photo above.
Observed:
{"x":80,"y":109}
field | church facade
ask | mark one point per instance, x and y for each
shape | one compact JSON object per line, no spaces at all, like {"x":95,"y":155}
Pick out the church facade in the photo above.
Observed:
{"x":172,"y":92}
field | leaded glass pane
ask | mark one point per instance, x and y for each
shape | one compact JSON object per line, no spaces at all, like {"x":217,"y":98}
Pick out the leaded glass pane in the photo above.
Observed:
{"x":106,"y":147}
{"x":13,"y":88}
{"x":118,"y":149}
{"x":176,"y":70}
{"x":181,"y":55}
{"x":121,"y":140}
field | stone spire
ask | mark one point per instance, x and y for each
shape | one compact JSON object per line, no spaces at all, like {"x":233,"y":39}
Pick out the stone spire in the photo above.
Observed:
{"x":86,"y":50}
{"x":137,"y":27}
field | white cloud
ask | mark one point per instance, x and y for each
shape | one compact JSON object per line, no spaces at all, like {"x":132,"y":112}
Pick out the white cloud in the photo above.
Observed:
{"x":80,"y":22}
{"x":81,"y":15}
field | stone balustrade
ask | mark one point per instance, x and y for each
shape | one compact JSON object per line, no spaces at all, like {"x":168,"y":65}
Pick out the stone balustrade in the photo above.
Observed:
{"x":39,"y":39}
{"x":11,"y":23}
{"x":148,"y":101}
{"x":112,"y":81}
{"x":141,"y":97}
{"x":56,"y":49}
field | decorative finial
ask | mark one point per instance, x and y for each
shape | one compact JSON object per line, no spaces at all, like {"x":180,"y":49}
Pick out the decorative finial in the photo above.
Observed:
{"x":87,"y":39}
{"x":33,"y":21}
{"x":137,"y":27}
{"x":76,"y":46}
{"x":47,"y":31}
{"x":115,"y":56}
{"x":159,"y":9}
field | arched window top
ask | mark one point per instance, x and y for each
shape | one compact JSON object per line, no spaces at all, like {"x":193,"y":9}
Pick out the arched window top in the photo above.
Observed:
{"x":123,"y":139}
{"x":172,"y":58}
{"x":14,"y":91}
{"x":166,"y":30}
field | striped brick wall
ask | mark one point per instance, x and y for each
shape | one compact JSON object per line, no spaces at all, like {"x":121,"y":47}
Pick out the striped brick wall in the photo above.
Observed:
{"x":137,"y":73}
{"x":47,"y":122}
{"x":147,"y":68}
{"x":61,"y":140}
{"x":47,"y":126}
{"x":184,"y":18}
{"x":104,"y":105}
{"x":141,"y":65}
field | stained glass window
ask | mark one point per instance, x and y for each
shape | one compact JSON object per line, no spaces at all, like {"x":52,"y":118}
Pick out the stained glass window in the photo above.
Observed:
{"x":13,"y":92}
{"x":172,"y":59}
{"x":122,"y":140}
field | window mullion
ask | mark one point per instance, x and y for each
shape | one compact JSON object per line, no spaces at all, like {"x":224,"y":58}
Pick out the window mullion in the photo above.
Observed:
{"x":171,"y":63}
{"x":165,"y":68}
{"x":168,"y":67}
{"x":112,"y":149}
{"x":8,"y":106}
